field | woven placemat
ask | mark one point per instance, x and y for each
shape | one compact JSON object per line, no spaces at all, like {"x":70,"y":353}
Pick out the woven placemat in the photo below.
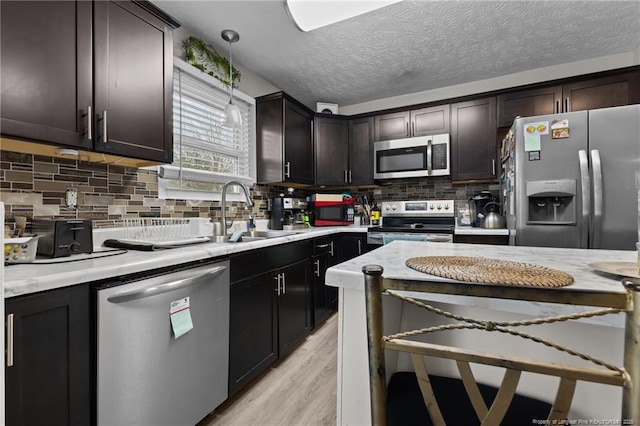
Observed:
{"x":492,"y":271}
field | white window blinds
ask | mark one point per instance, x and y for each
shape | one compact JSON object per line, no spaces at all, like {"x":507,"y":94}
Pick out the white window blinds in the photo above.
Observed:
{"x":206,"y":153}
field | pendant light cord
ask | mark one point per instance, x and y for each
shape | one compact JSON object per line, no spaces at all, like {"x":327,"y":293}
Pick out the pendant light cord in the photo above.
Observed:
{"x":231,"y":71}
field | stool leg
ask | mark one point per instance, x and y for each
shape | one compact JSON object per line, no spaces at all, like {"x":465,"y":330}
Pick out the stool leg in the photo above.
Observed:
{"x":631,"y":394}
{"x":377,"y":375}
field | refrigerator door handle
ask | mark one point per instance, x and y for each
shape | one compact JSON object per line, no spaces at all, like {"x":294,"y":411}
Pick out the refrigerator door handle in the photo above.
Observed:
{"x":597,"y":199}
{"x":585,"y":188}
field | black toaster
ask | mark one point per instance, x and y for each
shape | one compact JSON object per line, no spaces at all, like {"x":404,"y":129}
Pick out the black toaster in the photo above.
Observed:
{"x":63,"y":237}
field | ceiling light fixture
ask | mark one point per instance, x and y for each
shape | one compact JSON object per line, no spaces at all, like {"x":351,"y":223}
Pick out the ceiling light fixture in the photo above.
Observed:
{"x":232,"y":112}
{"x":309,"y":15}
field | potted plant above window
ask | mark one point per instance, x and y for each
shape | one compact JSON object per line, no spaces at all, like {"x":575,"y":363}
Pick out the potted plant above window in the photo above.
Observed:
{"x":206,"y":59}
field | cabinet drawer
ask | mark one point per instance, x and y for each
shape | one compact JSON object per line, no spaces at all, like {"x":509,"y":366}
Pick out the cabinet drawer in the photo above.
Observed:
{"x":254,"y":262}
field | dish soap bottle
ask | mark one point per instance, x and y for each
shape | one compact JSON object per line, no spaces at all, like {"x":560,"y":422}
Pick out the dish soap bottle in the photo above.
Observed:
{"x":375,"y":215}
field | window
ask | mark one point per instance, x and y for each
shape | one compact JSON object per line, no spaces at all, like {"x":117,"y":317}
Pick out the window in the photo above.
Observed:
{"x":206,"y":154}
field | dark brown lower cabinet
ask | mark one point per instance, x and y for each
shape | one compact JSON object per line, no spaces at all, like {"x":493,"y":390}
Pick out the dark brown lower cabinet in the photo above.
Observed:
{"x":253,"y":338}
{"x":47,"y":372}
{"x":269,"y":308}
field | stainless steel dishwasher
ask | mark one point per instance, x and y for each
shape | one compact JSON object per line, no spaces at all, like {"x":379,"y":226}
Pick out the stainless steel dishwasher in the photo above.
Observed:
{"x":147,"y":375}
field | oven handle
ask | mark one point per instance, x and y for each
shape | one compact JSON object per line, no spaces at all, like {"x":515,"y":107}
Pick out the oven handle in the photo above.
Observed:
{"x":152,"y":290}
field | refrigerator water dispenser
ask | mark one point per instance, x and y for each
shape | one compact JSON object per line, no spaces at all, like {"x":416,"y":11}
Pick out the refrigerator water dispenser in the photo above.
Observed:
{"x":552,"y":202}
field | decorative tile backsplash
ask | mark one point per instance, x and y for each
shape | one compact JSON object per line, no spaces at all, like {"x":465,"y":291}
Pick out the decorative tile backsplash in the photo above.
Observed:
{"x":32,"y":185}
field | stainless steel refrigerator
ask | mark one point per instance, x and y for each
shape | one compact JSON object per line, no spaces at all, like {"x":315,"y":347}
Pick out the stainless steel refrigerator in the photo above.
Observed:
{"x":569,"y":179}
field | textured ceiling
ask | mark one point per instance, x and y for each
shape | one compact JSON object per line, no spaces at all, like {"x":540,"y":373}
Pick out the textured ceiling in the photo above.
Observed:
{"x":411,"y":46}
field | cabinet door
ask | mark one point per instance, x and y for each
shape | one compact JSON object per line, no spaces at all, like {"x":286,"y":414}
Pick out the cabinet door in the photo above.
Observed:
{"x":474,"y":140}
{"x":46,"y":70}
{"x":320,"y":294}
{"x":298,"y":144}
{"x":350,"y":246}
{"x":430,"y":121}
{"x":361,"y":151}
{"x":603,"y":92}
{"x":332,"y":150}
{"x":133,"y":82}
{"x":392,"y":126}
{"x":49,"y":381}
{"x":253,"y":342}
{"x":528,"y":103}
{"x":293,"y":306}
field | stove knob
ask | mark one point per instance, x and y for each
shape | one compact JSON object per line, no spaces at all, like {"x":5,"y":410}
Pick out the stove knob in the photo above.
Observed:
{"x":394,"y":207}
{"x":446,"y":206}
{"x":387,"y":207}
{"x":432,"y":206}
{"x":439,"y":206}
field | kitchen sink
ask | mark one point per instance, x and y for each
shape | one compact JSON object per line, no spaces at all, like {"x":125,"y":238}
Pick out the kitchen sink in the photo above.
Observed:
{"x":264,"y":235}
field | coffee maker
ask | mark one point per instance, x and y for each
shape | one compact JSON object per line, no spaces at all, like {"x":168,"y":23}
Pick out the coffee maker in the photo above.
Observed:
{"x":287,"y":213}
{"x":477,"y":205}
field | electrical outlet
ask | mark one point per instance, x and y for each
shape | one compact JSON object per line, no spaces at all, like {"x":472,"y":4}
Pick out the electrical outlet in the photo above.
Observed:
{"x":71,"y":198}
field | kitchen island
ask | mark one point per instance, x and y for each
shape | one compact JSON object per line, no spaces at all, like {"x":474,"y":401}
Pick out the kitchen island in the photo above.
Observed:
{"x":601,"y":336}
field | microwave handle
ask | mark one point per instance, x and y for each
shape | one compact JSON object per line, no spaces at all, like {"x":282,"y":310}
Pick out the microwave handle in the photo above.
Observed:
{"x":429,"y":161}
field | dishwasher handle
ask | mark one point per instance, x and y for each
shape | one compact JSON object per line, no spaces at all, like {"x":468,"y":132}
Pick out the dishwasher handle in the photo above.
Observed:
{"x":152,"y":290}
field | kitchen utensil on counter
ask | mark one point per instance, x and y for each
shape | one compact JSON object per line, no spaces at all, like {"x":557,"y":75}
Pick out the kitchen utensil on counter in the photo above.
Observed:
{"x":492,"y":219}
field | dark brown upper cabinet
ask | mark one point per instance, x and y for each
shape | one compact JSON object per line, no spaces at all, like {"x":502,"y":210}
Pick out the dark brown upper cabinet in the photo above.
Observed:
{"x":593,"y":93}
{"x":331,"y":151}
{"x":284,"y":133}
{"x":361,"y":151}
{"x":474,"y":140}
{"x":46,"y":77}
{"x":406,"y":124}
{"x":343,"y":154}
{"x":90,"y":75}
{"x":527,"y":103}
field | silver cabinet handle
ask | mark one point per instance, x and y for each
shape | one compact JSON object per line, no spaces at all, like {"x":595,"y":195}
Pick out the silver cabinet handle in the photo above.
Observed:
{"x":359,"y":246}
{"x":152,"y":290}
{"x":413,"y":127}
{"x":493,"y":167}
{"x":350,"y":175}
{"x":331,"y":244}
{"x":408,"y":129}
{"x":345,"y":177}
{"x":429,"y":159}
{"x":585,"y":189}
{"x":89,"y":122}
{"x":277,"y":278}
{"x":10,"y":340}
{"x":287,"y":169}
{"x":284,"y":285}
{"x":317,"y":271}
{"x":105,"y":138}
{"x":597,"y":198}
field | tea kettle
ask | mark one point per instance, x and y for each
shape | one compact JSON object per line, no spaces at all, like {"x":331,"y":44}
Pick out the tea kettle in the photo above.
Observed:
{"x":491,"y":219}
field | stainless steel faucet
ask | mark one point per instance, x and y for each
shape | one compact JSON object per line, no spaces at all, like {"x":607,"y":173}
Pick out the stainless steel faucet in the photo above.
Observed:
{"x":223,"y":202}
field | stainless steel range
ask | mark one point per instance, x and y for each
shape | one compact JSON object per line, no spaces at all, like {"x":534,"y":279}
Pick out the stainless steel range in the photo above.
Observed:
{"x":431,"y":220}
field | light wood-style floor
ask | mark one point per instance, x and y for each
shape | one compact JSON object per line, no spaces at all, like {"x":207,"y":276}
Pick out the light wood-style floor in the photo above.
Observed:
{"x":298,"y":390}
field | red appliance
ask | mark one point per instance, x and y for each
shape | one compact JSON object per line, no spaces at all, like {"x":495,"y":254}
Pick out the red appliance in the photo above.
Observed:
{"x":332,"y":213}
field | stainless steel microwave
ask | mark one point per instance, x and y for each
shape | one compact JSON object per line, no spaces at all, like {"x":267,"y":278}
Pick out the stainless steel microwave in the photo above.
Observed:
{"x":412,"y":157}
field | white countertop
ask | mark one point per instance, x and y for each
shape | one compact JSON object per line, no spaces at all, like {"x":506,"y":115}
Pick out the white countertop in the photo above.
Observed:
{"x":572,"y":261}
{"x":28,"y":278}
